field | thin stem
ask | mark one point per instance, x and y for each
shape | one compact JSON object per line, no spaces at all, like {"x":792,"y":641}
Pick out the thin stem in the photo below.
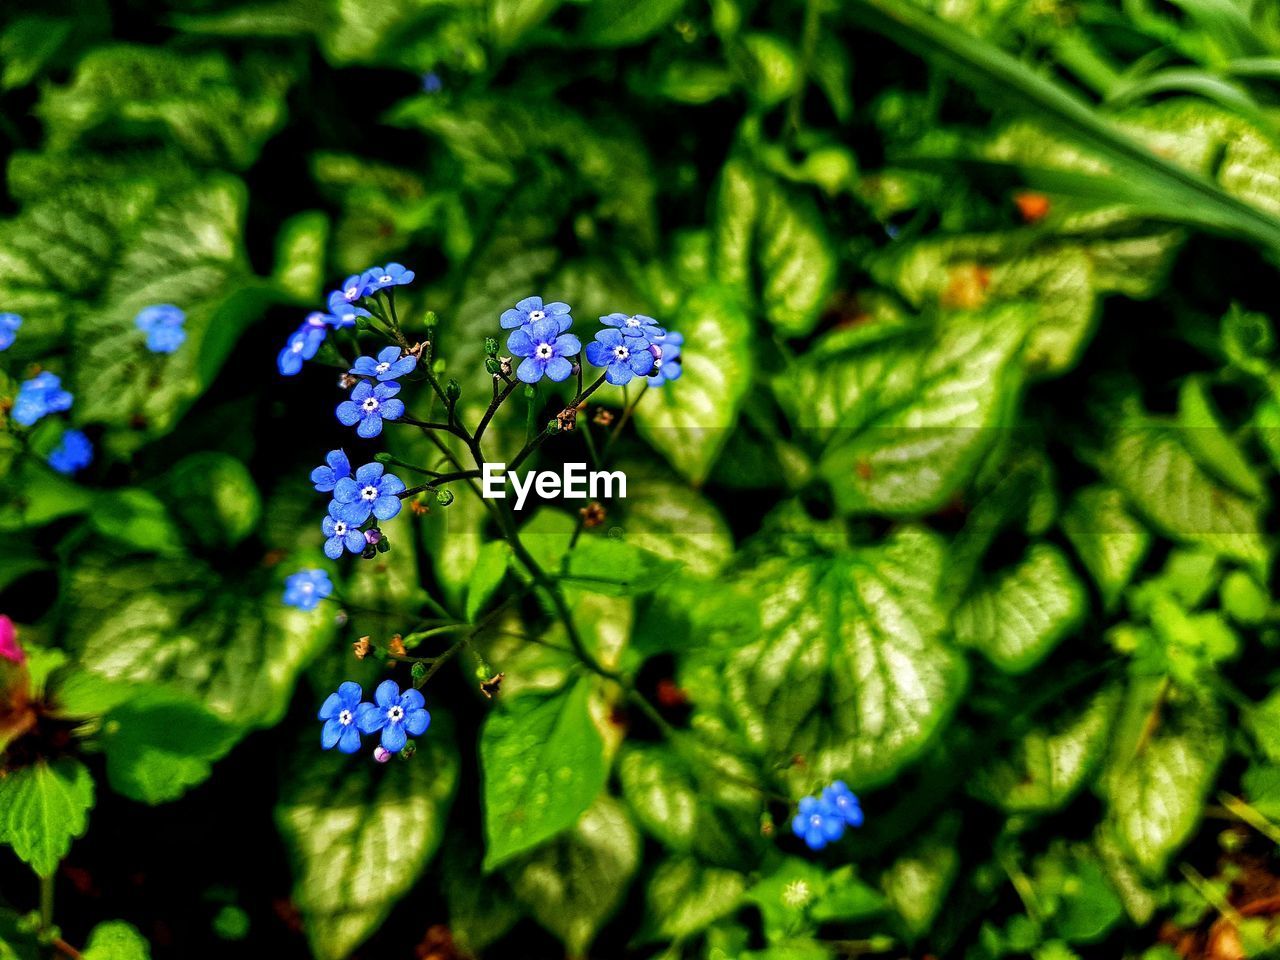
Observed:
{"x":442,"y":478}
{"x":46,"y":902}
{"x":454,"y":428}
{"x":498,"y":399}
{"x":622,"y":420}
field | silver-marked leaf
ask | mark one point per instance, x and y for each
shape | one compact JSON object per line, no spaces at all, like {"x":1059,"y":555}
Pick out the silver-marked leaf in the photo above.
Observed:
{"x":917,"y":883}
{"x":851,"y":669}
{"x":361,"y":833}
{"x":685,"y":897}
{"x":1017,"y":616}
{"x":1107,"y":538}
{"x":573,"y":884}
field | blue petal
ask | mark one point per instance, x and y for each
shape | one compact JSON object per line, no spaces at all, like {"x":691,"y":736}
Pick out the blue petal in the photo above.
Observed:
{"x":530,"y":370}
{"x":392,"y":409}
{"x":519,"y":343}
{"x":351,"y":692}
{"x":370,"y":427}
{"x":567,"y":345}
{"x":350,"y":741}
{"x":333,"y":548}
{"x":384,"y":508}
{"x":387,"y":695}
{"x":393,"y":737}
{"x":369,"y":718}
{"x":330,"y":733}
{"x":417,"y":721}
{"x":559,"y":369}
{"x":369,"y":473}
{"x":529,"y":303}
{"x":331,"y":707}
{"x":413,"y":700}
{"x":348,"y":413}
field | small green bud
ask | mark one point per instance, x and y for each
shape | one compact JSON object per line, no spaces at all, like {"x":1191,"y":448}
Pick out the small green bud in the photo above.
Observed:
{"x":444,"y":497}
{"x":429,"y":318}
{"x":409,"y":749}
{"x":452,"y":391}
{"x":490,"y":347}
{"x":554,"y":425}
{"x":492,"y":365}
{"x":383,"y":457}
{"x":418,"y":672}
{"x":364,"y":323}
{"x":530,"y":393}
{"x":483,"y":672}
{"x":231,"y":923}
{"x":384,"y":544}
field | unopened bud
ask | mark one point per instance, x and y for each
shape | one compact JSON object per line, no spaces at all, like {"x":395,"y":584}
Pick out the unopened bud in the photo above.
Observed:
{"x":381,"y":755}
{"x":418,"y":672}
{"x":452,"y":391}
{"x":444,"y":497}
{"x":364,"y":323}
{"x":409,"y":749}
{"x":530,"y":393}
{"x":492,"y":365}
{"x":383,"y":545}
{"x":593,"y":514}
{"x":490,"y":347}
{"x":429,"y":318}
{"x":383,"y":457}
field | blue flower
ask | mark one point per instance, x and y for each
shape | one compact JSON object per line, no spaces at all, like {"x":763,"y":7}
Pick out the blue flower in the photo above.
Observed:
{"x":338,"y":467}
{"x":634,"y":325}
{"x":393,"y":714}
{"x":665,"y":351}
{"x":544,"y":349}
{"x":845,"y":803}
{"x":306,"y":588}
{"x":41,"y":395}
{"x":339,"y":533}
{"x":162,"y":323}
{"x":354,"y":288}
{"x":531,"y":310}
{"x":73,"y":452}
{"x":431,"y":82}
{"x":369,"y":493}
{"x":388,"y":366}
{"x":392,"y":275}
{"x":339,"y":715}
{"x":301,"y":345}
{"x":9,"y":324}
{"x":818,"y":823}
{"x":369,"y":405}
{"x":344,"y":314}
{"x":622,"y":357}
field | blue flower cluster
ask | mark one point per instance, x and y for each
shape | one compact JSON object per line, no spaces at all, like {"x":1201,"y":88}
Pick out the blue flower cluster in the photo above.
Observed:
{"x":74,"y":452}
{"x":823,"y":819}
{"x":370,"y":492}
{"x":343,"y":311}
{"x":306,"y":588}
{"x":630,"y":345}
{"x":38,"y":397}
{"x":396,"y":715}
{"x":9,"y":324}
{"x":162,"y":323}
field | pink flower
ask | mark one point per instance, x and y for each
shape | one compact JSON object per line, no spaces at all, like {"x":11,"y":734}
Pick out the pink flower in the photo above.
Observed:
{"x":9,"y":648}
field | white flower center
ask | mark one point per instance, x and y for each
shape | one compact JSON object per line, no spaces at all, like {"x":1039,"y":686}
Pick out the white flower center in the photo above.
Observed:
{"x":298,"y":345}
{"x":339,"y":529}
{"x":371,"y":404}
{"x":308,"y":587}
{"x":544,"y":351}
{"x":385,"y":278}
{"x":351,"y":292}
{"x":622,"y":353}
{"x":345,"y":718}
{"x":815,"y":821}
{"x":395,"y":714}
{"x":383,"y":367}
{"x":536,"y":315}
{"x":370,"y":492}
{"x":632,"y":322}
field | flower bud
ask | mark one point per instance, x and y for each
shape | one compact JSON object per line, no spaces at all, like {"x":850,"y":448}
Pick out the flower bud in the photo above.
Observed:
{"x":492,"y":365}
{"x":418,"y":672}
{"x":429,"y":318}
{"x":10,"y":649}
{"x":384,"y":544}
{"x":452,"y":391}
{"x":381,"y":755}
{"x":408,"y":750}
{"x":530,"y":393}
{"x":373,"y":536}
{"x":444,"y":497}
{"x":364,"y":323}
{"x":383,"y":457}
{"x":490,"y":347}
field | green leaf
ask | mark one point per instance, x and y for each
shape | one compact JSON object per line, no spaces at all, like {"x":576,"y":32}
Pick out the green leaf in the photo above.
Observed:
{"x":688,"y":420}
{"x":218,"y":110}
{"x":851,"y":669}
{"x":904,"y":416}
{"x":795,"y":895}
{"x":1108,"y":540}
{"x":510,"y":20}
{"x":486,"y":577}
{"x":158,"y":746}
{"x":917,"y":883}
{"x":361,"y":833}
{"x":1049,"y":764}
{"x":700,"y":808}
{"x":619,"y":23}
{"x":231,"y":645}
{"x":482,"y":909}
{"x":1167,"y":748}
{"x":1150,"y":462}
{"x":543,"y":762}
{"x":684,"y":897}
{"x":666,"y":518}
{"x":116,"y":940}
{"x":1210,"y":444}
{"x":215,"y":497}
{"x":138,"y":520}
{"x":43,"y":807}
{"x":1021,"y":613}
{"x":573,"y":884}
{"x":35,"y":495}
{"x":1071,"y":885}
